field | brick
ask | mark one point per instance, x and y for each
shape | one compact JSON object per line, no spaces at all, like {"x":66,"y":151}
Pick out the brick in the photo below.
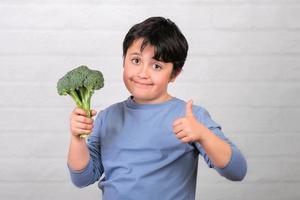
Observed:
{"x":30,"y":119}
{"x":237,"y":191}
{"x":62,"y":42}
{"x":268,"y":94}
{"x":256,"y":119}
{"x":263,"y":169}
{"x":290,"y":191}
{"x":32,"y":69}
{"x":291,"y":17}
{"x":67,"y":17}
{"x":151,"y":2}
{"x":131,"y":2}
{"x":47,"y":191}
{"x":240,"y":68}
{"x":32,"y":169}
{"x":273,"y":170}
{"x":87,"y":17}
{"x":248,"y":16}
{"x":266,"y":144}
{"x":240,"y":43}
{"x":34,"y":145}
{"x":111,"y":2}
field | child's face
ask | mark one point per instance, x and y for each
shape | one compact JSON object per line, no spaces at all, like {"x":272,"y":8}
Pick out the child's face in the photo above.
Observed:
{"x":146,"y":78}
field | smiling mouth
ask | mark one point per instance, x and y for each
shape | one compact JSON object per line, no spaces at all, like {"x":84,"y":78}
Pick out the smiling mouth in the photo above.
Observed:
{"x":142,"y":85}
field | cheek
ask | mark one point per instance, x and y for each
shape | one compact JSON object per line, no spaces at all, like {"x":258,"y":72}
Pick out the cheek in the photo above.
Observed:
{"x":161,"y":80}
{"x":127,"y":74}
{"x":126,"y":81}
{"x":126,"y":77}
{"x":126,"y":70}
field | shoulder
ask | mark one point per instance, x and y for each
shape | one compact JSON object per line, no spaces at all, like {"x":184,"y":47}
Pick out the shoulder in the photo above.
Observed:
{"x":204,"y":117}
{"x":198,"y":110}
{"x":201,"y":114}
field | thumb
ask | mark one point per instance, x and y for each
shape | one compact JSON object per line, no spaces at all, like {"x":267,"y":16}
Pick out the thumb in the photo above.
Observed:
{"x":188,"y":108}
{"x":93,"y":112}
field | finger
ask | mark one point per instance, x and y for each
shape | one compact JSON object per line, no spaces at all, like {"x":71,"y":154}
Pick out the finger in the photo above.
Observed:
{"x":186,"y":139}
{"x":180,"y":134}
{"x":79,"y":111}
{"x":94,"y":113}
{"x":177,"y":122}
{"x":83,"y":119}
{"x":80,"y":128}
{"x":78,"y":131}
{"x":177,"y":128}
{"x":83,"y":126}
{"x":189,"y":108}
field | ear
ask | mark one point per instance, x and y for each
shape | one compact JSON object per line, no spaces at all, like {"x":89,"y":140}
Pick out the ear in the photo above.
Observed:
{"x":174,"y":75}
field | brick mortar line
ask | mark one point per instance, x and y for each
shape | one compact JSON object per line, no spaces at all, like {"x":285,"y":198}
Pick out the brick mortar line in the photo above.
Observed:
{"x":134,"y":3}
{"x":190,"y":32}
{"x":211,"y":55}
{"x":58,"y":108}
{"x":234,"y":57}
{"x":183,"y":81}
{"x":285,"y":28}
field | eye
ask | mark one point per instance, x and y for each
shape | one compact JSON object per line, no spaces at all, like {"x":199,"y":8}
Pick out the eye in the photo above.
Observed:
{"x":135,"y":61}
{"x":157,"y":67}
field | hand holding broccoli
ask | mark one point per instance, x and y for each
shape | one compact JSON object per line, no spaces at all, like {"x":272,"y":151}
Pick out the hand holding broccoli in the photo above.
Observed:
{"x":80,"y":123}
{"x":80,"y":84}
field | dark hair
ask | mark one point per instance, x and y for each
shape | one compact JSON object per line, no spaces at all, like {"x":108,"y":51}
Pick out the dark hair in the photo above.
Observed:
{"x":169,"y":43}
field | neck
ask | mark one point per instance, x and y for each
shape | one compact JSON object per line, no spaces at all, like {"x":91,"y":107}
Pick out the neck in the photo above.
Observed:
{"x":163,"y":99}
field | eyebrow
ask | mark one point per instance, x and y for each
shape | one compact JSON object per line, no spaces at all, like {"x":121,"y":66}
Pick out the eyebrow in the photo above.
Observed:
{"x":135,"y":53}
{"x":139,"y":54}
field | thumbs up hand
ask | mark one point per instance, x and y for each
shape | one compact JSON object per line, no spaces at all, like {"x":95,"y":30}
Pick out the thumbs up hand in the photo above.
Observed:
{"x":187,"y":128}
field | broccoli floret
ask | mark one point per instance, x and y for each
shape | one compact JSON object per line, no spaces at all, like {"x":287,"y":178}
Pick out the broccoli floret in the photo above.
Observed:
{"x":80,"y":83}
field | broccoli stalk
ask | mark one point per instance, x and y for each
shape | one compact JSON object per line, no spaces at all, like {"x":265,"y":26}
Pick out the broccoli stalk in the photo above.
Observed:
{"x":76,"y":98}
{"x":85,"y":96}
{"x":80,"y":83}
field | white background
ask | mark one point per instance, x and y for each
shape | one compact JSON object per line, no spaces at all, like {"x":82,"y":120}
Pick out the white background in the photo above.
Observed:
{"x":243,"y":66}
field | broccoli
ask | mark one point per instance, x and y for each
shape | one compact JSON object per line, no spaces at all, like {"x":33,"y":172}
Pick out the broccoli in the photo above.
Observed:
{"x":80,"y":84}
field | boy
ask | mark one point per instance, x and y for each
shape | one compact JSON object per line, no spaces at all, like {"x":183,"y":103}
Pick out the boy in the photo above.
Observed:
{"x":147,"y":147}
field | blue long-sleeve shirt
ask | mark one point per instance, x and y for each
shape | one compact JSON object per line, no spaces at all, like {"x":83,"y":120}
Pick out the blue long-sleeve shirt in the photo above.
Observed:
{"x":136,"y":155}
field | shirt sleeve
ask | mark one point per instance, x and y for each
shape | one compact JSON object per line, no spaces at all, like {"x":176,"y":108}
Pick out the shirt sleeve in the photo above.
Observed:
{"x":236,"y":168}
{"x":94,"y":169}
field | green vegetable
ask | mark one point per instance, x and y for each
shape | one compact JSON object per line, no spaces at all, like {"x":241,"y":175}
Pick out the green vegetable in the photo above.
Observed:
{"x":80,"y":84}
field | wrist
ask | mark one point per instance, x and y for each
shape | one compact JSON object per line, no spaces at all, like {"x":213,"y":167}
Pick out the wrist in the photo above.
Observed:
{"x":204,"y":135}
{"x":77,"y":138}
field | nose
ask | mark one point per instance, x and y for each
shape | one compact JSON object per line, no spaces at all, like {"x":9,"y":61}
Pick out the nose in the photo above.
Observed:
{"x":143,"y":73}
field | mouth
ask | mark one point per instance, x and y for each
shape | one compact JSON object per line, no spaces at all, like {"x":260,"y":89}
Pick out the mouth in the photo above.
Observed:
{"x":142,"y":85}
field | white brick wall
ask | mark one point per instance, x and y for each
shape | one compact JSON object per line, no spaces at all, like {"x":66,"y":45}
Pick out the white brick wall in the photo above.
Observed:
{"x":243,"y":62}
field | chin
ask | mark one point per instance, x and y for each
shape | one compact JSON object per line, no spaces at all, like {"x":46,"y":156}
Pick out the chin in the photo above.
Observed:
{"x":142,"y":98}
